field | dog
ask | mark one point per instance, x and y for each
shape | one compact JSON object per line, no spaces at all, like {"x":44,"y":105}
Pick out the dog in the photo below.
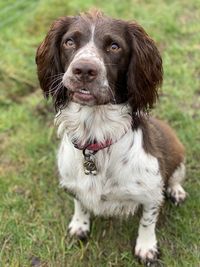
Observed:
{"x":103,"y":75}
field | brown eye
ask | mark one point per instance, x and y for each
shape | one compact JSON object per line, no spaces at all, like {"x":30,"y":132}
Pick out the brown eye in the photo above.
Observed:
{"x":69,"y":43}
{"x":114,"y":47}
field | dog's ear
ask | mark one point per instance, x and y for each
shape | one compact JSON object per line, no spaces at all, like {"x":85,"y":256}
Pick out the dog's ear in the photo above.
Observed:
{"x":145,"y":70}
{"x":48,"y":59}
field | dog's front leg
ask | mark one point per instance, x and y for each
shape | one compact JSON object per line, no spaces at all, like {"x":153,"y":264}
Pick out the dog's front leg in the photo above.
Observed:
{"x":80,"y":223}
{"x":146,"y":244}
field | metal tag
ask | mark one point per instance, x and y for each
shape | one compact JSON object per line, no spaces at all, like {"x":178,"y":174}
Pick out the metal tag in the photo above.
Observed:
{"x":89,"y":164}
{"x":89,"y":167}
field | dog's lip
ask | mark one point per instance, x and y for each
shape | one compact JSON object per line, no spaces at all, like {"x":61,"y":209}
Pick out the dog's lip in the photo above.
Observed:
{"x":83,"y":95}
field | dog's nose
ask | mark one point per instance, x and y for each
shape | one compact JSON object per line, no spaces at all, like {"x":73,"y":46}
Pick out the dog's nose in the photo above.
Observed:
{"x":85,"y":71}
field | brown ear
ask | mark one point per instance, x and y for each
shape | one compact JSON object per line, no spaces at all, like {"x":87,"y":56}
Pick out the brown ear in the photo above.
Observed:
{"x":48,"y":58}
{"x":145,"y":70}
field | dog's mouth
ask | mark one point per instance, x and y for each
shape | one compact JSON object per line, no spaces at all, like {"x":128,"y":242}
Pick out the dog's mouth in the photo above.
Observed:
{"x":84,"y":91}
{"x":83,"y":96}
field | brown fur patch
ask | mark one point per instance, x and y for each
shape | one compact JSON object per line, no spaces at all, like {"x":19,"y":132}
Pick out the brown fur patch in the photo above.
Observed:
{"x":161,"y":141}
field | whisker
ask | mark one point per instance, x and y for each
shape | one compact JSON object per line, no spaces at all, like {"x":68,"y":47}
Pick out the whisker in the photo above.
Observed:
{"x":57,"y":89}
{"x":112,"y":94}
{"x":116,"y":84}
{"x":53,"y":83}
{"x":56,"y":75}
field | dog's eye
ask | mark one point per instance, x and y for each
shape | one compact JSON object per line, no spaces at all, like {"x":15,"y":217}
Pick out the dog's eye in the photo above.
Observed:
{"x":114,"y":47}
{"x":69,"y":43}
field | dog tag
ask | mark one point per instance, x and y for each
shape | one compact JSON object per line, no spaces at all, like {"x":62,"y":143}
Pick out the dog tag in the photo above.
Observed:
{"x":89,"y":167}
{"x":89,"y":164}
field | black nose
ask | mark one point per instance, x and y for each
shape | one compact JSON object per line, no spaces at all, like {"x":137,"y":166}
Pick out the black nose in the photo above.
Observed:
{"x":85,"y":71}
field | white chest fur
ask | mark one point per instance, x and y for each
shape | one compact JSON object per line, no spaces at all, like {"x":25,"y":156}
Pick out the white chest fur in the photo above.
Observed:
{"x":127,"y":176}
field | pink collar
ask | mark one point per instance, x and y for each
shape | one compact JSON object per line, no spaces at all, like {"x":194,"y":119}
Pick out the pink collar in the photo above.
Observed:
{"x":94,"y":146}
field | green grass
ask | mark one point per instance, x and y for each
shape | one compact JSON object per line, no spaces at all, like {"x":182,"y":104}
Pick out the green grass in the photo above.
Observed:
{"x":34,"y":211}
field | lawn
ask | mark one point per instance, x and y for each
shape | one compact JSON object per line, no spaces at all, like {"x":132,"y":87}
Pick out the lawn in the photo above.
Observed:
{"x":34,"y":211}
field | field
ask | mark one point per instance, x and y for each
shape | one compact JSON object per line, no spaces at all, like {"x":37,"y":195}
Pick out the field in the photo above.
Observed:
{"x":34,"y":211}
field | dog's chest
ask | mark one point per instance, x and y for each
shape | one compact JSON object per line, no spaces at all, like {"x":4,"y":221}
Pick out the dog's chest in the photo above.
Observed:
{"x":126,"y":176}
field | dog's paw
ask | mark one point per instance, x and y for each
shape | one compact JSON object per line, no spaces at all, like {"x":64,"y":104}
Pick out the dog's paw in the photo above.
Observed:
{"x":177,"y":194}
{"x":147,"y":254}
{"x":79,"y":228}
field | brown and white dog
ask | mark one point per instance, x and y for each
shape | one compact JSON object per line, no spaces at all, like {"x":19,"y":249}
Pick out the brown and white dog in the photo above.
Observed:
{"x":103,"y":75}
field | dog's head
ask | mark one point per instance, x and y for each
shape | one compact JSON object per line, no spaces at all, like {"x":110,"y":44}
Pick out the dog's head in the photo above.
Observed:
{"x":92,"y":59}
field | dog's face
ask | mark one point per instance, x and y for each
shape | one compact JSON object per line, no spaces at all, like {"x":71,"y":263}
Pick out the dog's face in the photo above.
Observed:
{"x":95,"y":58}
{"x":92,"y":59}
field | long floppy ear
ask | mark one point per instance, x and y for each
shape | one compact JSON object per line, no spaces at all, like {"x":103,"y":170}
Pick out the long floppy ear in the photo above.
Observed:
{"x":145,"y":70}
{"x":49,"y":63}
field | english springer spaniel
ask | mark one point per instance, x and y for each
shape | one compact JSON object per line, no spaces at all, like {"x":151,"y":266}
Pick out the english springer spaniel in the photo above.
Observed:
{"x":103,"y":75}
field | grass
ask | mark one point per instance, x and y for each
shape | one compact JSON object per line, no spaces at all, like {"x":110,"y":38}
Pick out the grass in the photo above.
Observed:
{"x":34,"y":211}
